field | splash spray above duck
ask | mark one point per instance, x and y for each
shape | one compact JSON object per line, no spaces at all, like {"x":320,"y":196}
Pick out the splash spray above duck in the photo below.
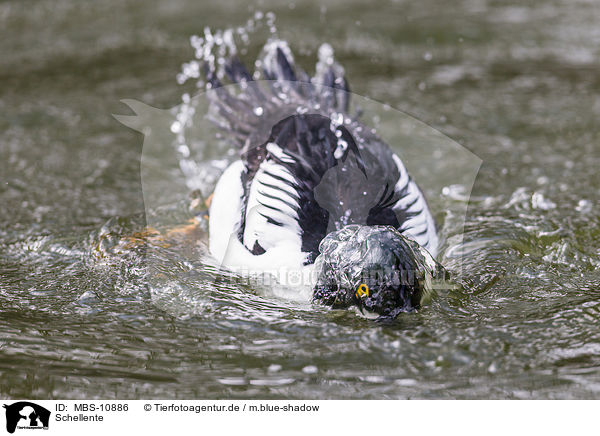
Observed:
{"x":314,"y":190}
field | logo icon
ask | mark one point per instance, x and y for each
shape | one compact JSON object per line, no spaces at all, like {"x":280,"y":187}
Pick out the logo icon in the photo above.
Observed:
{"x":26,"y":415}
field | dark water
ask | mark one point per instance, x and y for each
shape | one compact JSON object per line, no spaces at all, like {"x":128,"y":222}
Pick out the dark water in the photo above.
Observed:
{"x":518,"y":84}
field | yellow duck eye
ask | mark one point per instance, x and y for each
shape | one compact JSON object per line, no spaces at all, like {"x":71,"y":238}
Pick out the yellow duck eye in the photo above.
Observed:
{"x":362,"y":291}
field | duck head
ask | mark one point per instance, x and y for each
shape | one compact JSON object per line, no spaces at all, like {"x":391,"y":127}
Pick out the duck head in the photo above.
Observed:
{"x":374,"y":268}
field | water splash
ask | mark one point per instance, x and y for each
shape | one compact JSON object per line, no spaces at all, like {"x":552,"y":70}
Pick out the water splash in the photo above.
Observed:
{"x":213,"y":52}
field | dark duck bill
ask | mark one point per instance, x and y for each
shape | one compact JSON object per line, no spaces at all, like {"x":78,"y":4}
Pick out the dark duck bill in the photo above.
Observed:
{"x":315,"y":189}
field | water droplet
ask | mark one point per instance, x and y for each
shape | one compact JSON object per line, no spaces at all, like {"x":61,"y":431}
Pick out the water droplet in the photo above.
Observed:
{"x":258,"y":111}
{"x":538,"y":201}
{"x":176,"y":127}
{"x":341,"y":149}
{"x":584,"y":206}
{"x":542,"y":180}
{"x":310,"y":369}
{"x":274,"y":368}
{"x":184,"y":150}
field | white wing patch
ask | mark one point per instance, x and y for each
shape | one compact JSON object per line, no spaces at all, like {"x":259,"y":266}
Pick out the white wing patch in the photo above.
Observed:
{"x":420,"y":227}
{"x":271,"y":220}
{"x":271,"y":214}
{"x":279,"y":153}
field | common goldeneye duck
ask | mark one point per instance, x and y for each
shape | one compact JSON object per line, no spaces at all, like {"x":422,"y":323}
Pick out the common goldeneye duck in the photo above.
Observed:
{"x":315,"y":191}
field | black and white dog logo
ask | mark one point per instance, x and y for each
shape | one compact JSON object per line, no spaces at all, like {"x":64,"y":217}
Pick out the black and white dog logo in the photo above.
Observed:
{"x":26,"y":415}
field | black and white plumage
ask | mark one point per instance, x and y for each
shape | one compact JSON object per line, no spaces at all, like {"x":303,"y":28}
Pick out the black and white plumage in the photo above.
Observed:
{"x":307,"y":168}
